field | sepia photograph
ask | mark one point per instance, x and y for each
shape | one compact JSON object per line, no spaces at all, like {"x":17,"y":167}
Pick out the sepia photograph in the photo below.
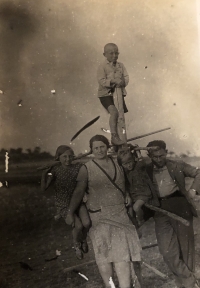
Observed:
{"x":99,"y":144}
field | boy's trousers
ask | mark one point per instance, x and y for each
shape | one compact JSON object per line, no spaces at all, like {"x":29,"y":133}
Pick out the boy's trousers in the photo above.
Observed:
{"x":176,"y":244}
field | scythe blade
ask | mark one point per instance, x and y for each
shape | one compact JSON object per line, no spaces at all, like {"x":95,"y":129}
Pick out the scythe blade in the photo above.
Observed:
{"x":85,"y":127}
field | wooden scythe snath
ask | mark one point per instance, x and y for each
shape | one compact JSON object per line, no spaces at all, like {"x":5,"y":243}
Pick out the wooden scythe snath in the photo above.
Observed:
{"x":121,"y":125}
{"x":118,"y":101}
{"x":169,"y":214}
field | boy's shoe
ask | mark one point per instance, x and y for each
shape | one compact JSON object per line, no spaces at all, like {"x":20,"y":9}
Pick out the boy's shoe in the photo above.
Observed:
{"x":85,"y":246}
{"x":115,"y":140}
{"x":78,"y":251}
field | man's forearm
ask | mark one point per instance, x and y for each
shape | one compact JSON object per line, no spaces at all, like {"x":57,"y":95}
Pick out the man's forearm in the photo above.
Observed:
{"x":191,"y":171}
{"x":196,"y":183}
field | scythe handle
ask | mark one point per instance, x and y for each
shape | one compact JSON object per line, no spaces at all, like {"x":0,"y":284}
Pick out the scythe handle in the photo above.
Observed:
{"x":129,"y":140}
{"x":169,"y":214}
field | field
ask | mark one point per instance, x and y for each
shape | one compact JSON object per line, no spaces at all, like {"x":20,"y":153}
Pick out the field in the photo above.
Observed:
{"x":30,"y":234}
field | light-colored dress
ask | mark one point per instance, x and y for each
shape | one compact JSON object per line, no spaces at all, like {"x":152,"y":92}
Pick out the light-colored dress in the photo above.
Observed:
{"x":113,"y":235}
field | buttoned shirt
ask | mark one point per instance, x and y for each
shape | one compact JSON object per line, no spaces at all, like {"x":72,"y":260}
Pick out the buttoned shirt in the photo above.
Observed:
{"x":165,"y":184}
{"x":107,"y":71}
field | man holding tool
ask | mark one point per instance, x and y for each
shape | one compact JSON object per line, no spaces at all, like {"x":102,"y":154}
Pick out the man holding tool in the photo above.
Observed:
{"x":175,"y":240}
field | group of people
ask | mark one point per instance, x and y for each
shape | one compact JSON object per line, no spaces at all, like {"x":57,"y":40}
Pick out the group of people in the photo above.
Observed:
{"x":102,"y":196}
{"x":105,"y":197}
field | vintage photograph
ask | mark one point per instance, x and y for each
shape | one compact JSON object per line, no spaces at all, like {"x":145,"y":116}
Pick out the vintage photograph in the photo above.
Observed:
{"x":100,"y":144}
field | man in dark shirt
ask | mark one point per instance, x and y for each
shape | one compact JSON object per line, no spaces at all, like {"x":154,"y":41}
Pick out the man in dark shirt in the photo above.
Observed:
{"x":175,"y":241}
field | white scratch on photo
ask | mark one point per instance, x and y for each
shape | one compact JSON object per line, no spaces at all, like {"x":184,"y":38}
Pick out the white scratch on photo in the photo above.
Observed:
{"x":112,"y":285}
{"x":58,"y":253}
{"x":6,"y":162}
{"x":83,"y":276}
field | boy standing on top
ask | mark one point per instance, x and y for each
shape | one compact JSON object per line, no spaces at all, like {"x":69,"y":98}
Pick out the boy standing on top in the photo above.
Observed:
{"x":112,"y":74}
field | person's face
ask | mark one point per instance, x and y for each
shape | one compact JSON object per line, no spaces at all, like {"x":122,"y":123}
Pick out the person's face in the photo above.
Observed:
{"x":66,"y":158}
{"x":129,"y":165}
{"x":158,"y":157}
{"x":99,"y":149}
{"x":111,"y":53}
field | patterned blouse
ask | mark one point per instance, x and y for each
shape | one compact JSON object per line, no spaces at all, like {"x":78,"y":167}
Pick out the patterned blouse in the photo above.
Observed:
{"x":64,"y":179}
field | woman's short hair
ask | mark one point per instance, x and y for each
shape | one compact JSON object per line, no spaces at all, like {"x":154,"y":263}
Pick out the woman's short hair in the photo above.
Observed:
{"x":99,"y":138}
{"x":62,"y":149}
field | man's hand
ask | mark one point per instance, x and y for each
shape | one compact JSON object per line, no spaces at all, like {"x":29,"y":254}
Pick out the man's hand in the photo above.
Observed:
{"x":192,"y":193}
{"x":70,"y":219}
{"x":196,"y":198}
{"x":128,"y":200}
{"x":138,"y":205}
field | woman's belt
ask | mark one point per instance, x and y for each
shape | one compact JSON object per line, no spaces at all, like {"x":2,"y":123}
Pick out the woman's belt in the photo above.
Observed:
{"x":106,"y":207}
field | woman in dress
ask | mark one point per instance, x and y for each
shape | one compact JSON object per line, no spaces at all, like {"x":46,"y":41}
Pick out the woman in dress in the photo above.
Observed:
{"x":63,"y":175}
{"x":114,"y":237}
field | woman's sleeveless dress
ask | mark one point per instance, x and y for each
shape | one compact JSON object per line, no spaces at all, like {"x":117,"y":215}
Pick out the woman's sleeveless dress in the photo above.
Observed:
{"x":113,"y":235}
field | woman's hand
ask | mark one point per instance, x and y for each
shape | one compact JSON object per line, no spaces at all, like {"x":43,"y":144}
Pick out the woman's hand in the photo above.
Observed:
{"x":70,"y":219}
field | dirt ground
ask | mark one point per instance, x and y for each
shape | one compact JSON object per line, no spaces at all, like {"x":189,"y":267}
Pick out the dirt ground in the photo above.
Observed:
{"x":30,"y":234}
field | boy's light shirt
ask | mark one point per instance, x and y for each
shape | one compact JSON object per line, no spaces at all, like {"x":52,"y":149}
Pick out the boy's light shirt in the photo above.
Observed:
{"x":108,"y":71}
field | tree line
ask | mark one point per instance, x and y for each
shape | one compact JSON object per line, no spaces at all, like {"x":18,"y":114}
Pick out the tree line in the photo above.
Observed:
{"x":18,"y":155}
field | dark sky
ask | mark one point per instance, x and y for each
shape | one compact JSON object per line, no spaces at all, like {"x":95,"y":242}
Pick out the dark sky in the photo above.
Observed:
{"x":59,"y":45}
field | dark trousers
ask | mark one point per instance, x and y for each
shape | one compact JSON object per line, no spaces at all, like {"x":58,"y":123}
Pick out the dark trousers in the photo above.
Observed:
{"x":176,"y":242}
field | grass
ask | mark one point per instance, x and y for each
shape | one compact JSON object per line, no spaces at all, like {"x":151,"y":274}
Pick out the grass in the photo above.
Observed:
{"x":31,"y":235}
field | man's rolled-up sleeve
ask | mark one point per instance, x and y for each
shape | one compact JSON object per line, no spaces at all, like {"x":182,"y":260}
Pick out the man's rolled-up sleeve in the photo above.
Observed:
{"x":193,"y":172}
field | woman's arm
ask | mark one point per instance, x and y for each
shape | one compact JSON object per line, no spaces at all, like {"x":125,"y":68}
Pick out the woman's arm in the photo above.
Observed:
{"x":78,"y":194}
{"x":46,"y":180}
{"x":128,"y":200}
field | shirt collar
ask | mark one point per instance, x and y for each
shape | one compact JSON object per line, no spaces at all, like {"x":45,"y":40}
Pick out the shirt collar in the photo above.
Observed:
{"x":156,"y":169}
{"x":107,"y":62}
